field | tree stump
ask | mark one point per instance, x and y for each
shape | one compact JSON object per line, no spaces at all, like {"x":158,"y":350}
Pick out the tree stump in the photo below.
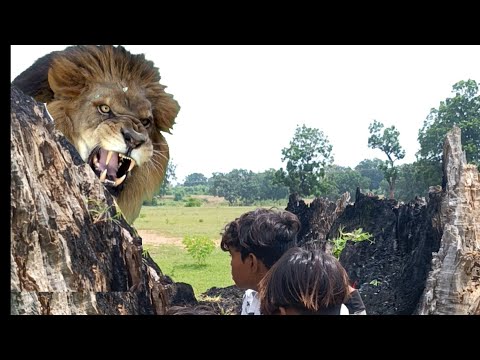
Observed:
{"x":71,"y":250}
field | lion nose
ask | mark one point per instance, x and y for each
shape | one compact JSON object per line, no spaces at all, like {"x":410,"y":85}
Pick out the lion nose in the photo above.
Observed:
{"x":132,"y":138}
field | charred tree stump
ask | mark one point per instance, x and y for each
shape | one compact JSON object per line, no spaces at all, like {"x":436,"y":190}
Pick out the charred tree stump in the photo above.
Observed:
{"x":425,"y":258}
{"x":316,"y":218}
{"x":71,"y":251}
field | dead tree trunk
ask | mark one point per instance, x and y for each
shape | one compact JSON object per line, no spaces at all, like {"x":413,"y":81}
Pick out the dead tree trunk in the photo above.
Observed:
{"x":316,"y":218}
{"x":453,"y":285}
{"x":71,"y":252}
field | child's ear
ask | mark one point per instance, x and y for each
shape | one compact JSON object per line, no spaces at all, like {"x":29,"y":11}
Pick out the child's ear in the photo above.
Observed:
{"x":253,"y":262}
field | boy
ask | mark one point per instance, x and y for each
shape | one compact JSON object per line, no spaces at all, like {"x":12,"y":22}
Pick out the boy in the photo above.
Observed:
{"x":255,"y":241}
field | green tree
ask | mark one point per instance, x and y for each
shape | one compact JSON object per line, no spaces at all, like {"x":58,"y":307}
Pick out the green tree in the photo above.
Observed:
{"x":195,"y":179}
{"x":268,"y":188}
{"x":410,"y":182}
{"x":389,"y":144}
{"x":371,"y":169}
{"x":343,"y":179}
{"x":307,"y":157}
{"x":463,"y":110}
{"x":169,"y":178}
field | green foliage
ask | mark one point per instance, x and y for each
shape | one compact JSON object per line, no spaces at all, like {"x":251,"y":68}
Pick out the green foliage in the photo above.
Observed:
{"x":175,"y":262}
{"x":244,"y":187}
{"x":195,"y":179}
{"x":152,"y":202}
{"x":371,"y":170}
{"x":339,"y":180}
{"x":410,"y":182}
{"x":375,"y":282}
{"x":178,"y":194}
{"x":193,"y":202}
{"x":463,"y":110}
{"x":307,"y":156}
{"x":168,"y":179}
{"x":199,"y":247}
{"x":101,"y":212}
{"x":389,"y":144}
{"x":355,"y":236}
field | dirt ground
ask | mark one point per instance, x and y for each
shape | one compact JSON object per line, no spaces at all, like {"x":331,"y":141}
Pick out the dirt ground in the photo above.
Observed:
{"x":151,"y":238}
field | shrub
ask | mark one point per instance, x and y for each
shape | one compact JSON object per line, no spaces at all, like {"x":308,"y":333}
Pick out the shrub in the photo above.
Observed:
{"x":199,"y":247}
{"x":355,"y":236}
{"x":192,"y":202}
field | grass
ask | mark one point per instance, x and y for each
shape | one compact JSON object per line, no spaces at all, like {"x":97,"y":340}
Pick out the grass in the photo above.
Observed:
{"x":181,"y":267}
{"x":180,"y":221}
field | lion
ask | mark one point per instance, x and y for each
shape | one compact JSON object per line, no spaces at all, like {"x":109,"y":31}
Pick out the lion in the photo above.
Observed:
{"x":111,"y":106}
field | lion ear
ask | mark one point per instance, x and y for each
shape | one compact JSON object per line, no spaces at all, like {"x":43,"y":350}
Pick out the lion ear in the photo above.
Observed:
{"x":165,"y":111}
{"x":34,"y":80}
{"x":66,"y":79}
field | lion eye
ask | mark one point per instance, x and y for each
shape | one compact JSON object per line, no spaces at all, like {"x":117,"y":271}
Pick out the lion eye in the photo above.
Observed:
{"x":104,"y":109}
{"x":146,"y":122}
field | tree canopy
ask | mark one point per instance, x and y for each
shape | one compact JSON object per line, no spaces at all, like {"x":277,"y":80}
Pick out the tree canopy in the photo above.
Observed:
{"x":463,"y":110}
{"x":307,"y":156}
{"x":388,"y":143}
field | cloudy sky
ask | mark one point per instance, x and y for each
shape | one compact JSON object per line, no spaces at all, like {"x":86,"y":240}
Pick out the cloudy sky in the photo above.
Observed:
{"x":240,"y":105}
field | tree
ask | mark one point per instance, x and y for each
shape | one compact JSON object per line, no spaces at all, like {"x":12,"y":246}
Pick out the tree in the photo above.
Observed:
{"x":307,"y":156}
{"x":169,"y":178}
{"x":268,"y":188}
{"x":464,"y":111}
{"x":371,"y":169}
{"x":410,"y":182}
{"x":343,"y":179}
{"x":195,"y":179}
{"x":389,"y":144}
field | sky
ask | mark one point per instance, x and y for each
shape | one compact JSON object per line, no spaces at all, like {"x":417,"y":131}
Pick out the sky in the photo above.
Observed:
{"x":240,"y":104}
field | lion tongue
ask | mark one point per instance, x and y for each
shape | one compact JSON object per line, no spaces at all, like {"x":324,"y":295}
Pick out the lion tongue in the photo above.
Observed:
{"x":112,"y":165}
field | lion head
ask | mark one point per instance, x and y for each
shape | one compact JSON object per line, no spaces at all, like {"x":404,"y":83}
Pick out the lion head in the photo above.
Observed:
{"x":110,"y":105}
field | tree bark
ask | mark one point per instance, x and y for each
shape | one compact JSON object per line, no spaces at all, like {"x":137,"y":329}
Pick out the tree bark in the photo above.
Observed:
{"x":453,"y":285}
{"x":71,"y":251}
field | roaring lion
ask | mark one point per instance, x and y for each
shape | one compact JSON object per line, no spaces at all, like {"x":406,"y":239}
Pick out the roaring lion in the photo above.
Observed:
{"x":111,"y":106}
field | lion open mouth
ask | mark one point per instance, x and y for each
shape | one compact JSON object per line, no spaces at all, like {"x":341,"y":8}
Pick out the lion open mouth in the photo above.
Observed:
{"x":111,"y":167}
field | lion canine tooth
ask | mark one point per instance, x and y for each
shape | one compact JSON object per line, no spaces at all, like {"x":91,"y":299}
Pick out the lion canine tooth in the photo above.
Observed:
{"x":109,"y":156}
{"x":132,"y":164}
{"x":103,"y":175}
{"x":119,"y":181}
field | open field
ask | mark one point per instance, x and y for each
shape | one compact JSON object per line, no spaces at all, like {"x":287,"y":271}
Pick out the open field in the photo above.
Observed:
{"x":180,"y":266}
{"x":176,"y":222}
{"x":162,"y":229}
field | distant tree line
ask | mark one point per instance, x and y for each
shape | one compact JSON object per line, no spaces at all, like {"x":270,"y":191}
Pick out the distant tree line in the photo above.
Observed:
{"x":310,"y":170}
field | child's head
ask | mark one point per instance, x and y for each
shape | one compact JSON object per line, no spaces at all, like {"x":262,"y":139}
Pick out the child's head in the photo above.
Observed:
{"x":304,"y":281}
{"x":256,"y":240}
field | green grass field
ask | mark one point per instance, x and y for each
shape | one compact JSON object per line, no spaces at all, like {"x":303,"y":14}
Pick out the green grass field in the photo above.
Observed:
{"x":180,"y":266}
{"x":180,"y":221}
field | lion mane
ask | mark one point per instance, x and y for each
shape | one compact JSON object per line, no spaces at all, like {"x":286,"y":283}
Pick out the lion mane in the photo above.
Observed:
{"x":111,"y":106}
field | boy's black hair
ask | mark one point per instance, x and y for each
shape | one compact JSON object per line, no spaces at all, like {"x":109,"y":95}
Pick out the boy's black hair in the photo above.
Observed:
{"x":266,"y":233}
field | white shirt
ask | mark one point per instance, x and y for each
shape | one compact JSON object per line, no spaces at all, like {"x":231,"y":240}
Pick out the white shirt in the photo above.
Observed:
{"x":251,"y":303}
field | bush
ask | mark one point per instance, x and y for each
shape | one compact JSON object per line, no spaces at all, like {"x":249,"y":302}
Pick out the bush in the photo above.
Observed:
{"x":152,"y":202}
{"x":192,"y":202}
{"x":199,"y":247}
{"x":355,"y":236}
